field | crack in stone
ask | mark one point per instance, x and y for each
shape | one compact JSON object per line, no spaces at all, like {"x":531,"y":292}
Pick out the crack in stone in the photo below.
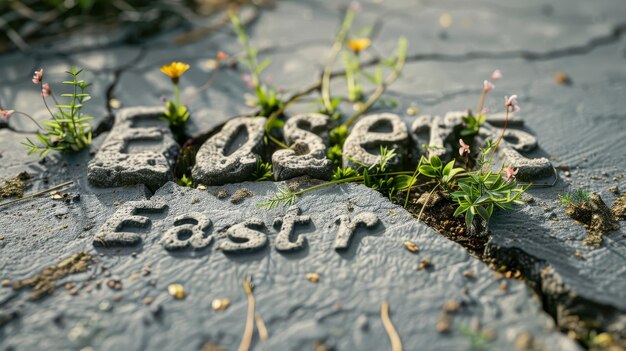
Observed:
{"x":570,"y":311}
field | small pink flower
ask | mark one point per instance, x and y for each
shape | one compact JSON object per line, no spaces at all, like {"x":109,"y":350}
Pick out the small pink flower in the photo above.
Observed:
{"x":38,"y":76}
{"x":509,"y":173}
{"x":248,"y":80}
{"x":488,"y":86}
{"x":356,"y":6}
{"x":45,"y":90}
{"x":496,"y":75}
{"x":511,"y":102}
{"x":464,"y":149}
{"x":5,"y":114}
{"x":484,"y":111}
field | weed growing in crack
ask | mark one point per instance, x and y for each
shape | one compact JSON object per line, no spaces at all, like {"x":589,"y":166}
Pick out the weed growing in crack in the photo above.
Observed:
{"x":375,"y":177}
{"x":185,"y":181}
{"x":263,"y":171}
{"x":68,"y":129}
{"x":575,"y":197}
{"x":175,"y":112}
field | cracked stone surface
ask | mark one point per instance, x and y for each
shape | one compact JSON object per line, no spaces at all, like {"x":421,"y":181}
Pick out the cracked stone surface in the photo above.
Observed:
{"x":330,"y":310}
{"x":453,"y":46}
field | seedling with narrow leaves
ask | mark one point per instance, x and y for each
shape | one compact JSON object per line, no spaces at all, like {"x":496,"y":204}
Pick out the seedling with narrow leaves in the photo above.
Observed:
{"x":68,"y":129}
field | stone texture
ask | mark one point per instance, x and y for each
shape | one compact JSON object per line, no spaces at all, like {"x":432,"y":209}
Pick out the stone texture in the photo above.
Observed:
{"x":370,"y":132}
{"x":576,"y":125}
{"x":140,"y":149}
{"x":232,"y":154}
{"x":375,"y":267}
{"x":307,"y":136}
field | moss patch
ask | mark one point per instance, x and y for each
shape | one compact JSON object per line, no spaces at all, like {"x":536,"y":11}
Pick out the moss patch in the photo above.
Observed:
{"x":619,"y":207}
{"x":14,"y":186}
{"x":596,"y":216}
{"x":45,"y":282}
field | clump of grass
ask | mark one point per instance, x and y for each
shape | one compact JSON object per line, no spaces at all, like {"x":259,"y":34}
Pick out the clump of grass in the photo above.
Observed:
{"x":263,"y":171}
{"x":575,"y":197}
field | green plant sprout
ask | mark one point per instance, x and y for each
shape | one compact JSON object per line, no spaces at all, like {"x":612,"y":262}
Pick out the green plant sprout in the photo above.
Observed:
{"x":267,"y":99}
{"x":175,"y":112}
{"x":480,"y":339}
{"x":473,"y":122}
{"x":67,"y":130}
{"x":185,"y":181}
{"x":263,"y":171}
{"x":575,"y":197}
{"x":434,"y":168}
{"x":482,"y":191}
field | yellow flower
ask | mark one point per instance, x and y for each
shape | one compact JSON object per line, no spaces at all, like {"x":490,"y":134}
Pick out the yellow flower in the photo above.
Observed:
{"x":174,"y":70}
{"x":359,"y":44}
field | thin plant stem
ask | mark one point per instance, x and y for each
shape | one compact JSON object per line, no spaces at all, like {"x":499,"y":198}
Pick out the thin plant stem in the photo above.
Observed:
{"x":414,"y":177}
{"x":243,"y":39}
{"x":394,"y":338}
{"x":426,"y":201}
{"x":334,"y":51}
{"x":177,"y":94}
{"x":345,"y":180}
{"x":379,"y":90}
{"x":481,"y":102}
{"x":274,"y":116}
{"x":248,"y":333}
{"x":45,"y":102}
{"x":30,"y":117}
{"x":73,"y":111}
{"x":37,"y":193}
{"x":495,"y":147}
{"x":54,"y":98}
{"x":260,"y":326}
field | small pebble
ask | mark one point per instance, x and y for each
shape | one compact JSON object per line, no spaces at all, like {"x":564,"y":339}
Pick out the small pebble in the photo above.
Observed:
{"x":469,"y":274}
{"x":313,"y":277}
{"x":6,"y":282}
{"x":424,"y":264}
{"x":148,"y":300}
{"x":104,"y":306}
{"x":451,"y":306}
{"x":443,"y":325}
{"x":219,"y":305}
{"x":411,"y":246}
{"x":177,"y":291}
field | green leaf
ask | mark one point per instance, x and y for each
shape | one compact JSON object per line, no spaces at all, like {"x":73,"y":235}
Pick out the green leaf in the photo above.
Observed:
{"x":428,"y":171}
{"x":402,"y":182}
{"x":448,"y":168}
{"x":483,"y":212}
{"x":435,"y":162}
{"x":455,"y":171}
{"x":459,"y":210}
{"x":469,"y":218}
